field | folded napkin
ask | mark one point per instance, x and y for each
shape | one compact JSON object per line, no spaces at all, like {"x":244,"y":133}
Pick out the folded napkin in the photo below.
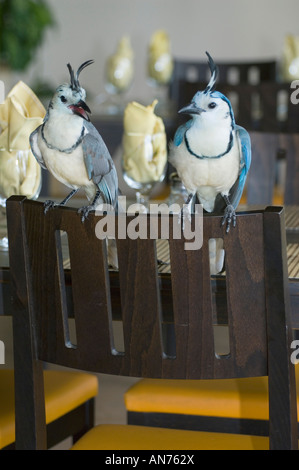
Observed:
{"x":144,"y":143}
{"x":20,"y":114}
{"x":160,"y":62}
{"x":119,"y":66}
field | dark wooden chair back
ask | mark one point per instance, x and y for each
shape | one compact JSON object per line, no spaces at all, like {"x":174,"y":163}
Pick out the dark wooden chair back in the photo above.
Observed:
{"x":256,"y":304}
{"x":265,"y":107}
{"x":229,"y":73}
{"x":273,"y":152}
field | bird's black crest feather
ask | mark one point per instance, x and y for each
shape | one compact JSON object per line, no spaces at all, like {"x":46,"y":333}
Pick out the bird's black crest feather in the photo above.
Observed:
{"x":75,"y":85}
{"x":214,"y":75}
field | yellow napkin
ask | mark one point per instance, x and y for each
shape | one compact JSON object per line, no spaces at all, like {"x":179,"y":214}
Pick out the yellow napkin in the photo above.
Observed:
{"x":160,"y":62}
{"x":144,"y":143}
{"x":20,"y":114}
{"x":119,"y":67}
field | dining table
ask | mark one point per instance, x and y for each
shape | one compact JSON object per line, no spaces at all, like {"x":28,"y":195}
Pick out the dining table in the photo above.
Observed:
{"x":218,"y":281}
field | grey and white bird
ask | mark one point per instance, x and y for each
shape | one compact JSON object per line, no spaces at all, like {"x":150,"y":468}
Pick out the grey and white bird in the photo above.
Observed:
{"x":70,"y":147}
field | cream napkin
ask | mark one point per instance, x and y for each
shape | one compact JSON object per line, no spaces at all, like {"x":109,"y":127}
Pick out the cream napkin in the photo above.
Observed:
{"x":144,"y":143}
{"x":119,"y":66}
{"x":160,"y":62}
{"x":20,"y":114}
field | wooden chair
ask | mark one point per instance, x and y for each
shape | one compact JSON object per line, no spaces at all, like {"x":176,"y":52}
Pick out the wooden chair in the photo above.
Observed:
{"x":70,"y":402}
{"x":257,"y":311}
{"x":272,"y":152}
{"x":238,"y":406}
{"x":229,"y":73}
{"x":266,"y":106}
{"x":272,"y":120}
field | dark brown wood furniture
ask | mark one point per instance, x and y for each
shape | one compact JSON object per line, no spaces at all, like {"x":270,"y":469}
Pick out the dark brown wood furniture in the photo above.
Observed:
{"x":266,"y":106}
{"x":70,"y":396}
{"x":229,"y":73}
{"x":272,"y":152}
{"x":256,"y":283}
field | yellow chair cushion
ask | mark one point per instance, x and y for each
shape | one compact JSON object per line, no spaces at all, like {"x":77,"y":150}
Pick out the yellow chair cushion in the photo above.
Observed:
{"x":127,"y":437}
{"x":235,"y":398}
{"x":64,"y":391}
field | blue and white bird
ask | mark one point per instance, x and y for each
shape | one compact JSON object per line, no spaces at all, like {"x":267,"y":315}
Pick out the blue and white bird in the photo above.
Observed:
{"x":71,"y":148}
{"x":211,"y":154}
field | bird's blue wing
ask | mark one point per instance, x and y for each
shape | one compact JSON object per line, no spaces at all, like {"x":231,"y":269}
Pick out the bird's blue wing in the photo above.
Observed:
{"x":245,"y":161}
{"x":100,"y":167}
{"x":180,"y":132}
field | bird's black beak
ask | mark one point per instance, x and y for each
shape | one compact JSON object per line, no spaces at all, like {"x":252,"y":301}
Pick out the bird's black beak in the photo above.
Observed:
{"x":80,"y":109}
{"x":191,"y":109}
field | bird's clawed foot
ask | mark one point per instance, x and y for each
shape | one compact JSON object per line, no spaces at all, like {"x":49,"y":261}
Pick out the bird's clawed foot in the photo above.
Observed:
{"x":185,"y":215}
{"x":49,"y":205}
{"x":229,"y":217}
{"x":186,"y":210}
{"x":84,"y":211}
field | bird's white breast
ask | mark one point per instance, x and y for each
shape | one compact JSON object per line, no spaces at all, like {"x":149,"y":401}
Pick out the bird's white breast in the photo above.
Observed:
{"x":207,"y":140}
{"x":62,"y":130}
{"x":209,"y":176}
{"x":68,"y":168}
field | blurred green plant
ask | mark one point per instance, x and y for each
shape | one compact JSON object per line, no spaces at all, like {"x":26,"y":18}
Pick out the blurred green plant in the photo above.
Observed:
{"x":22,"y":27}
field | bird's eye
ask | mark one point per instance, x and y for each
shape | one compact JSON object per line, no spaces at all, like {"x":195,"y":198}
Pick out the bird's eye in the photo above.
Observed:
{"x":63,"y":99}
{"x":212,"y":105}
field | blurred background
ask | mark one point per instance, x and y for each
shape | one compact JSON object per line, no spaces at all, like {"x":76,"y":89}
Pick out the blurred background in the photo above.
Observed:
{"x":39,"y":37}
{"x":90,"y":29}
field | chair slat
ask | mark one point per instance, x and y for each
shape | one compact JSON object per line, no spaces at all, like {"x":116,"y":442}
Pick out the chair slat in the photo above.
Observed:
{"x":245,"y":275}
{"x":192,"y":302}
{"x":44,"y":271}
{"x":141,"y":307}
{"x":90,"y":290}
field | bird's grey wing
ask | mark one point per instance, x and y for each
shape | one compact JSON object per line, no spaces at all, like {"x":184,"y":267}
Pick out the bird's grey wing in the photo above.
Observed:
{"x":100,"y":167}
{"x":35,"y":148}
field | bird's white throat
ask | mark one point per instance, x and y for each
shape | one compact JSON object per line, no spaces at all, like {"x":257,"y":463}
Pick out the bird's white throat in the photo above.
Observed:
{"x":63,"y":130}
{"x":205,"y":141}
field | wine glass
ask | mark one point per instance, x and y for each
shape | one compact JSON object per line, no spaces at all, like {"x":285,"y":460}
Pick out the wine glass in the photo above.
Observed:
{"x":142,"y":189}
{"x":144,"y":150}
{"x":160,"y":69}
{"x":119,"y":71}
{"x":18,"y":176}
